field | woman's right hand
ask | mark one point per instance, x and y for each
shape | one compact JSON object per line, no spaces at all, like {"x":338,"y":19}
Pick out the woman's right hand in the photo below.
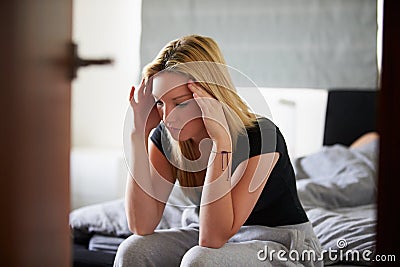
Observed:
{"x":145,"y":114}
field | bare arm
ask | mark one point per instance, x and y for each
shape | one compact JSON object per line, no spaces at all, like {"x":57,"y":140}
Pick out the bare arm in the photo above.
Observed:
{"x":365,"y":139}
{"x":221,"y":218}
{"x":147,"y":189}
{"x":226,"y":202}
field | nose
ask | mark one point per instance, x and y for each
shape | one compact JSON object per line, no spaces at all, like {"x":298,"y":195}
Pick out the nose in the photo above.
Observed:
{"x":168,"y":114}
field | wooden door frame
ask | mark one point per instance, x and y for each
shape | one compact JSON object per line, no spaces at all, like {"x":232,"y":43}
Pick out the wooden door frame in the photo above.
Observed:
{"x":35,"y":136}
{"x":388,"y":233}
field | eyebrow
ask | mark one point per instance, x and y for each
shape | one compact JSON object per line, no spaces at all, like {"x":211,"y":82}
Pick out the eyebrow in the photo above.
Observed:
{"x":175,"y":98}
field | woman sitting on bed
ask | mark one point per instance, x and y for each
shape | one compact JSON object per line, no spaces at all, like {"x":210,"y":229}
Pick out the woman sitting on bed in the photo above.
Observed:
{"x":231,"y":163}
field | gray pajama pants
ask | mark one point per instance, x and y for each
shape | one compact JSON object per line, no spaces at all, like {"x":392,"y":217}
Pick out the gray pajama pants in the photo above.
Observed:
{"x":294,"y":245}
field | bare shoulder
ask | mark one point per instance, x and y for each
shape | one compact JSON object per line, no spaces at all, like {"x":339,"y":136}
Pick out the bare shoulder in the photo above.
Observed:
{"x":365,"y":139}
{"x":159,"y":163}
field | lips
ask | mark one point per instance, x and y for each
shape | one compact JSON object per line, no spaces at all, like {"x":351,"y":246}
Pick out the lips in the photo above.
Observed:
{"x":173,"y":129}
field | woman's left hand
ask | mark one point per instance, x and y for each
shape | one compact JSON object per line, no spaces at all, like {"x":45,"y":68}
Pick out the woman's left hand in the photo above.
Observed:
{"x":212,"y":113}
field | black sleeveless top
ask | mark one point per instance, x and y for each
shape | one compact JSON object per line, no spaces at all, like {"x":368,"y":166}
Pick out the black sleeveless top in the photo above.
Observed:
{"x":278,"y":203}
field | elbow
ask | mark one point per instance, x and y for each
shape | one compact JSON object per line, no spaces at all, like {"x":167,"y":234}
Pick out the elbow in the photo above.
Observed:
{"x":140,"y":230}
{"x":215,"y":239}
{"x":140,"y":225}
{"x":212,"y":242}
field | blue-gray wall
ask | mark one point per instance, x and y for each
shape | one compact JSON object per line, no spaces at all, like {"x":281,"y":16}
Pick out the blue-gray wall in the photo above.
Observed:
{"x":277,"y":43}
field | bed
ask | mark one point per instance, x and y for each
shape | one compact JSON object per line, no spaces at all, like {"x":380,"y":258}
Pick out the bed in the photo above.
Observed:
{"x":336,"y":185}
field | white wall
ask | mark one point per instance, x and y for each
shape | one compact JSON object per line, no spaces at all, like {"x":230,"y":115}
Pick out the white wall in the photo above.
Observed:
{"x":379,"y":35}
{"x":298,"y":112}
{"x":100,"y":94}
{"x":97,"y":175}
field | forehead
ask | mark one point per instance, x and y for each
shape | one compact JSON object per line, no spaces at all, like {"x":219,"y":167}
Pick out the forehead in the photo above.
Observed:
{"x":169,"y":83}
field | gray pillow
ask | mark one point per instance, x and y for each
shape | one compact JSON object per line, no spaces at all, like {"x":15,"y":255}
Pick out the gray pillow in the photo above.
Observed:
{"x":106,"y":218}
{"x":109,"y":219}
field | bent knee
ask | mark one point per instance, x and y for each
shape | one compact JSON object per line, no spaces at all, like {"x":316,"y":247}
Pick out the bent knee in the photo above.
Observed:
{"x":198,"y":256}
{"x":133,"y":251}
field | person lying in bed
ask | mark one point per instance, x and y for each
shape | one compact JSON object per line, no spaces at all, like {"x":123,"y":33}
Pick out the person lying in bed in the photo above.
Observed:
{"x":365,"y":139}
{"x":231,"y":163}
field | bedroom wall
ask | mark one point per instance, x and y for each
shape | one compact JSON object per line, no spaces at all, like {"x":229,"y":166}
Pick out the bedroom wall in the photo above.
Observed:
{"x":286,"y":43}
{"x":112,"y":29}
{"x":276,"y":43}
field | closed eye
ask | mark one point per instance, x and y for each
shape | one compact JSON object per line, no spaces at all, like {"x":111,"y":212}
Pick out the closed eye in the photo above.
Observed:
{"x":181,"y":105}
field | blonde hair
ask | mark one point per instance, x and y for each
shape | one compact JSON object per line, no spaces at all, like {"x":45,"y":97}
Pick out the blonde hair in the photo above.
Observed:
{"x":200,"y":58}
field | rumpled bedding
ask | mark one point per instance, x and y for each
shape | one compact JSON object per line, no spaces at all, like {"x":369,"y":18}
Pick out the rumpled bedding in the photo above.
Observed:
{"x":337,"y":187}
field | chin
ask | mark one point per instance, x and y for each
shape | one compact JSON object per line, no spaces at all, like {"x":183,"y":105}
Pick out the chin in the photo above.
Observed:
{"x":179,"y":136}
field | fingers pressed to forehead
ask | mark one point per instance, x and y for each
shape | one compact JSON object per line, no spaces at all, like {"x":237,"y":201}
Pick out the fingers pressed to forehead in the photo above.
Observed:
{"x":199,"y":91}
{"x":143,"y":82}
{"x":196,"y":89}
{"x":131,"y":93}
{"x":149,"y":86}
{"x":141,"y":87}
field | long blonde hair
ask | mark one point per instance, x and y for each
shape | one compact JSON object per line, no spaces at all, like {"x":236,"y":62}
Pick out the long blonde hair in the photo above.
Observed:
{"x":200,"y":58}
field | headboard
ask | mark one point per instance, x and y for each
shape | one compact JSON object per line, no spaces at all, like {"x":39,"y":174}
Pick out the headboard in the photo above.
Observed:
{"x":349,"y":114}
{"x":310,"y":118}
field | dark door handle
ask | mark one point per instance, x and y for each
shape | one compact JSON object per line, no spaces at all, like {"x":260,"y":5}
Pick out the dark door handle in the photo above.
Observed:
{"x":78,"y":62}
